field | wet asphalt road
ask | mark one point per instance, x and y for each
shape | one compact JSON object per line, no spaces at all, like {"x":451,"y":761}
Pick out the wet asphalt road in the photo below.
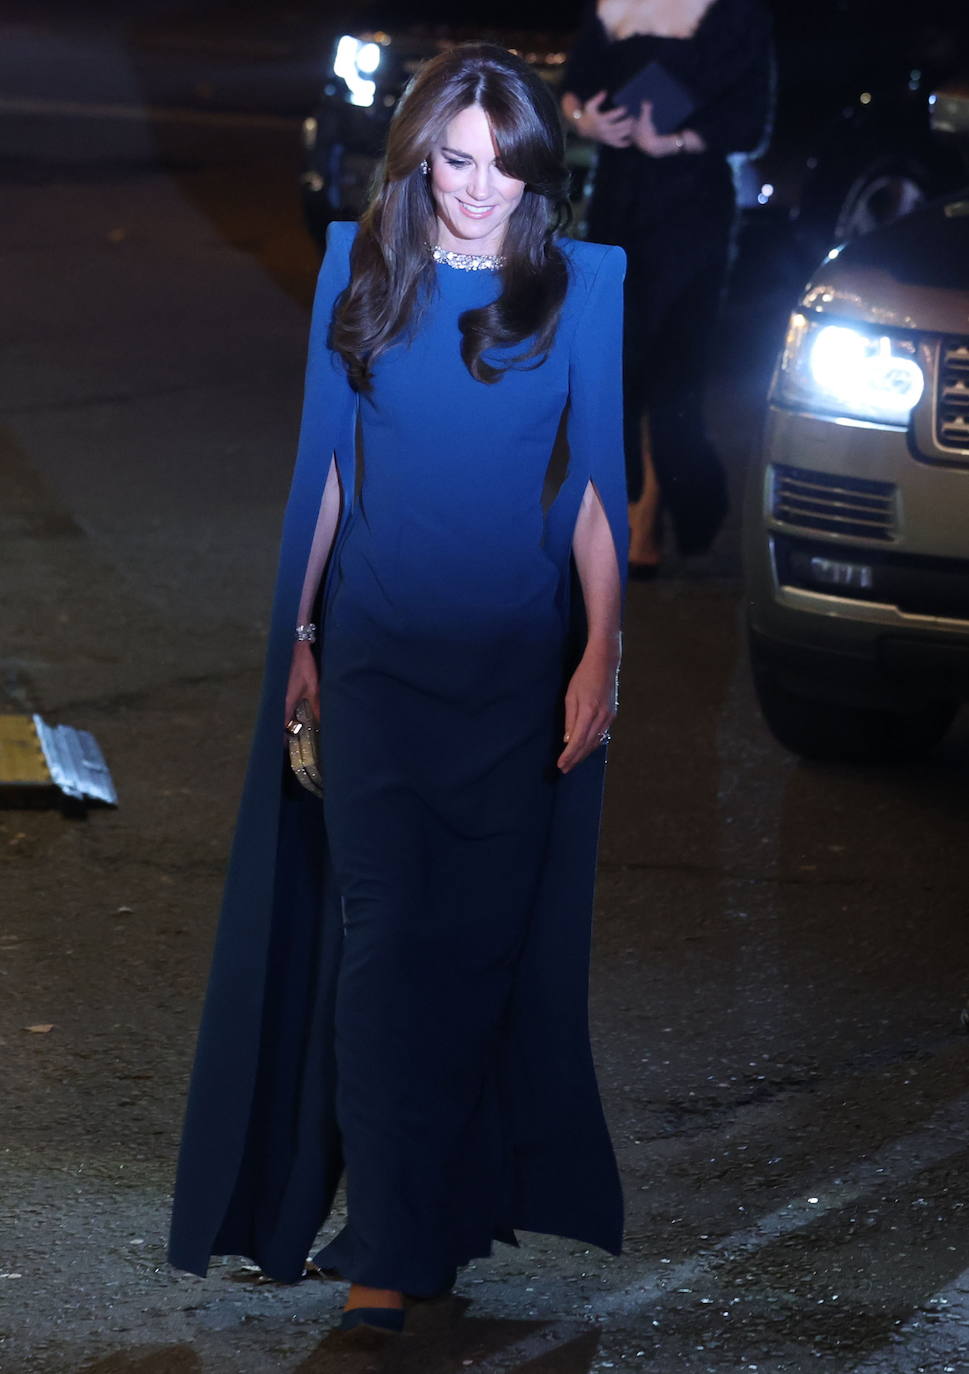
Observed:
{"x":780,"y":958}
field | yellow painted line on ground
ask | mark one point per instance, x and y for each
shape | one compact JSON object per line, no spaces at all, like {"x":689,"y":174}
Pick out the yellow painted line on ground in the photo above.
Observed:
{"x":21,"y":757}
{"x":143,"y":114}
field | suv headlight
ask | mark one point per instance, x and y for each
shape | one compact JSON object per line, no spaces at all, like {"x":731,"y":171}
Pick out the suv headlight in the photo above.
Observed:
{"x":850,"y":371}
{"x":355,"y":61}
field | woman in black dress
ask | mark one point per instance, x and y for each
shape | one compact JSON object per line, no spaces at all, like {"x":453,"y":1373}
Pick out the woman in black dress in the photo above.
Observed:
{"x":668,"y":200}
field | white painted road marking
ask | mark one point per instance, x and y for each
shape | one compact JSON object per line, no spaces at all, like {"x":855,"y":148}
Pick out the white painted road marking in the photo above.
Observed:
{"x":944,"y":1136}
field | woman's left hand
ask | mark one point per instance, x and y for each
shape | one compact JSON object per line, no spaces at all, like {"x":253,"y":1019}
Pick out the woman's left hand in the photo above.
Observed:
{"x":649,"y":141}
{"x":590,"y":705}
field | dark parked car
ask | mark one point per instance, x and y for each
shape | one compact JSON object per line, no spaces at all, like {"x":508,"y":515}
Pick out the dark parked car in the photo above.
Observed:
{"x":851,"y":147}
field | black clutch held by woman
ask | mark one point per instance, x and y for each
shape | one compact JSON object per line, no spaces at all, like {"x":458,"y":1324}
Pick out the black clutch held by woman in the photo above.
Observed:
{"x":304,"y":748}
{"x":672,"y":102}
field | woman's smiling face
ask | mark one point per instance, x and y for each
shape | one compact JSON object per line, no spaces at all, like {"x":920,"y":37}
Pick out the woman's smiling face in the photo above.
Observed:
{"x":473,"y":198}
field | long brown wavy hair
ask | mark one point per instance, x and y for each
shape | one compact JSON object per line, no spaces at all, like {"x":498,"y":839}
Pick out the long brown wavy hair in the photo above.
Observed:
{"x":392,"y":272}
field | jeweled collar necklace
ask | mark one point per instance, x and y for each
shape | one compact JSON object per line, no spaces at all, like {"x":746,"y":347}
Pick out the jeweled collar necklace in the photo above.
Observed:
{"x":468,"y":262}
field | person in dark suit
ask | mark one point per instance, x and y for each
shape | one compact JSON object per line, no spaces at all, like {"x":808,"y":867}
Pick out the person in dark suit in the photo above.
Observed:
{"x":668,"y":200}
{"x":399,"y":985}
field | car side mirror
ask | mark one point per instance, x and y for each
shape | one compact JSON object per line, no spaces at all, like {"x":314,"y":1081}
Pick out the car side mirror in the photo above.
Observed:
{"x":949,"y":111}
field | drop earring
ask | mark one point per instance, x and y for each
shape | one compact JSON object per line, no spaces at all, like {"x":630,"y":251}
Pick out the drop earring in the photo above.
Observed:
{"x":425,"y":166}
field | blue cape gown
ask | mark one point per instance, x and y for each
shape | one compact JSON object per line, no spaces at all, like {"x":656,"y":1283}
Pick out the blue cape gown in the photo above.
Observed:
{"x":272,"y":1121}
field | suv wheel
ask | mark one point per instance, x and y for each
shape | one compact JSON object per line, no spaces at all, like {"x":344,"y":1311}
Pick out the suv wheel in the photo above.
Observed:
{"x":826,"y":731}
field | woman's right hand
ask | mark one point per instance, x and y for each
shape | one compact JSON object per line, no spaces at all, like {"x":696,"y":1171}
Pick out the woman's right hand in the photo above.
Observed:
{"x":613,"y":127}
{"x":304,"y":681}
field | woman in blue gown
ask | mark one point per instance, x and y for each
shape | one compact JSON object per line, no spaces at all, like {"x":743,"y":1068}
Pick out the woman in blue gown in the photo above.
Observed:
{"x":399,"y":985}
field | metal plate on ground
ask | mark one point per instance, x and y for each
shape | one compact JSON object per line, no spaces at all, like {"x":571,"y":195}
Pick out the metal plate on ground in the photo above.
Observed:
{"x":41,"y":764}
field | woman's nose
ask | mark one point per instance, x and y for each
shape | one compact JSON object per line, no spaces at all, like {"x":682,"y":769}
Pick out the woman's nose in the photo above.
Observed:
{"x":479,"y":184}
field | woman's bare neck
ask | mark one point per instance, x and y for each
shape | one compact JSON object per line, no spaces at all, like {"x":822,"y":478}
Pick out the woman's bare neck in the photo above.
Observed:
{"x":653,"y":18}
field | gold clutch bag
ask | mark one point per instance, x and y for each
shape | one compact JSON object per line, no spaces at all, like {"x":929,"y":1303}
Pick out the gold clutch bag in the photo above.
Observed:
{"x":304,"y":748}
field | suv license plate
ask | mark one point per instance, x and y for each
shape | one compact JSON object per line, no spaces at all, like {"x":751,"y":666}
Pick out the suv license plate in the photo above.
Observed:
{"x":832,"y":572}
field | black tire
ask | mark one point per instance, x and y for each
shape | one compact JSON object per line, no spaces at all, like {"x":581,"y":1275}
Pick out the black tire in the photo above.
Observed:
{"x":873,"y":196}
{"x":832,"y":732}
{"x":885,"y":191}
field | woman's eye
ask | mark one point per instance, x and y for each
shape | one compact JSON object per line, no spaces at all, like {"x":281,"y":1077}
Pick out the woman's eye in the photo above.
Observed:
{"x":455,"y":162}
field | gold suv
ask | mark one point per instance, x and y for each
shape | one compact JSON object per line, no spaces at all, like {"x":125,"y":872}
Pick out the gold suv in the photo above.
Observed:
{"x":857,"y":521}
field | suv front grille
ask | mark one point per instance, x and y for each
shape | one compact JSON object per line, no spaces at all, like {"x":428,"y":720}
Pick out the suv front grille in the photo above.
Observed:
{"x":952,"y":397}
{"x":833,"y":504}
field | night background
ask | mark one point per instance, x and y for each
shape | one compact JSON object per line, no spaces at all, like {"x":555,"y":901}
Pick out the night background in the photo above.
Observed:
{"x":780,"y":959}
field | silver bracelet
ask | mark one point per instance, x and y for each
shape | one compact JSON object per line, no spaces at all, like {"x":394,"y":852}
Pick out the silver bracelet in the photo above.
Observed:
{"x":680,"y":142}
{"x":306,"y":634}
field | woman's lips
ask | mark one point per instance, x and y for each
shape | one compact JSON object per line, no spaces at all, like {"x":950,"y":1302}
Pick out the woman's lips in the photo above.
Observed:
{"x":473,"y":212}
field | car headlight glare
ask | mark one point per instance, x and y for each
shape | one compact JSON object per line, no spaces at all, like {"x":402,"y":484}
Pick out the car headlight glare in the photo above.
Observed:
{"x":355,"y":62}
{"x":368,"y":58}
{"x":854,"y":372}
